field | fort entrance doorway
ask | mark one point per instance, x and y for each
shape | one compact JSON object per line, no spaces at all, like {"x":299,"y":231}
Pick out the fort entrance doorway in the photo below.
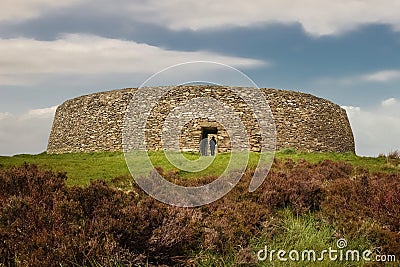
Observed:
{"x":206,"y":134}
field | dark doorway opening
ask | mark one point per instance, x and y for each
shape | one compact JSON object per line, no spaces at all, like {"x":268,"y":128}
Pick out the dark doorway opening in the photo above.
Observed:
{"x":205,"y":131}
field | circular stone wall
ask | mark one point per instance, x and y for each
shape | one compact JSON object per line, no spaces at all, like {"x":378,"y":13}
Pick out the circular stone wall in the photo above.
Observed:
{"x":94,"y":122}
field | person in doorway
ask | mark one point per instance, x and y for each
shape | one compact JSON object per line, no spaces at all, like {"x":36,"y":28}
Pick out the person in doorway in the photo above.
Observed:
{"x":213,"y":143}
{"x":203,"y":147}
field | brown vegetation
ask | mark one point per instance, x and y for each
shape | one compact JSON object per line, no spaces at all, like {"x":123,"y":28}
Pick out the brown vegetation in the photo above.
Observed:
{"x":45,"y":223}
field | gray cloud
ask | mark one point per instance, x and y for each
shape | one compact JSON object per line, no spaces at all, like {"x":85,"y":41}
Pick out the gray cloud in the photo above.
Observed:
{"x":18,"y":10}
{"x":317,"y":17}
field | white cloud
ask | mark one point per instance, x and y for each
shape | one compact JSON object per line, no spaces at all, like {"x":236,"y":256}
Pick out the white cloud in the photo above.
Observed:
{"x":376,"y":130}
{"x":43,"y":113}
{"x":25,"y":133}
{"x":17,"y":10}
{"x":318,"y":17}
{"x":382,"y":76}
{"x":4,"y":115}
{"x":389,"y":102}
{"x":351,"y":108}
{"x":26,"y":60}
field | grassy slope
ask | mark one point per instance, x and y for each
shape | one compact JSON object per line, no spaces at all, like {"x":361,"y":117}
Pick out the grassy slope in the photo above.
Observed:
{"x":80,"y":167}
{"x":83,"y":167}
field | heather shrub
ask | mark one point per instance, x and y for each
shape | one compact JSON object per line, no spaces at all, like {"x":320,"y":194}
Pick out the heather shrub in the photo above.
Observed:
{"x":366,"y":204}
{"x":45,"y":223}
{"x":394,"y":155}
{"x":293,"y":186}
{"x":29,"y":229}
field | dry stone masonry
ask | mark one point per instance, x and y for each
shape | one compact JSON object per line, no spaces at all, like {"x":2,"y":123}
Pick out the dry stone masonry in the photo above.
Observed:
{"x":94,"y":122}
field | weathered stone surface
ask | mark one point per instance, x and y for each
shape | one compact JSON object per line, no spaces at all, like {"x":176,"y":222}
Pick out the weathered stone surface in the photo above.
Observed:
{"x":305,"y":122}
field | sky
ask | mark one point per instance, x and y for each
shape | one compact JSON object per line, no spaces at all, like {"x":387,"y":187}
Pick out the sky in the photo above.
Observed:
{"x":346,"y":51}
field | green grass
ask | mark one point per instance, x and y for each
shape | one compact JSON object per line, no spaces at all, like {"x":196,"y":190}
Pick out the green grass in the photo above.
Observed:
{"x":80,"y":167}
{"x":302,"y":233}
{"x":292,"y":232}
{"x":83,"y":167}
{"x":373,"y":164}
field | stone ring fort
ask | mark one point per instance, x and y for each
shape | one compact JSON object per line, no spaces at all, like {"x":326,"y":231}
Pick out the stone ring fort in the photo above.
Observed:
{"x":304,"y":122}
